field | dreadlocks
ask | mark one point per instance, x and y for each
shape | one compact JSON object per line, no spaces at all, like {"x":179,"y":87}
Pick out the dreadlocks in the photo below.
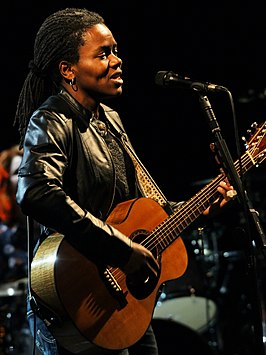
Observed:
{"x":58,"y":38}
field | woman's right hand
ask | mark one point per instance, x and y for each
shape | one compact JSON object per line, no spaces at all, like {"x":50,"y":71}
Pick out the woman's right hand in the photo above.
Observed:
{"x":141,"y":261}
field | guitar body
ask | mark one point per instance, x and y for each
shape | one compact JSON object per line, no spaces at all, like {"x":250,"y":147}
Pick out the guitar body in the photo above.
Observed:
{"x":82,"y":295}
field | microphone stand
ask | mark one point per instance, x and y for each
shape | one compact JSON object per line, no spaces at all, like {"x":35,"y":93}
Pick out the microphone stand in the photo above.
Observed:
{"x":251,"y":216}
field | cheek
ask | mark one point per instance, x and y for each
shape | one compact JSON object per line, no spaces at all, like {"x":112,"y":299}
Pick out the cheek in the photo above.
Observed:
{"x":87,"y":78}
{"x":86,"y":68}
{"x":95,"y":74}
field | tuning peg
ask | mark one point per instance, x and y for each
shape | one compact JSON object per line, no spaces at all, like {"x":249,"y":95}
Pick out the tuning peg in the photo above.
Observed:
{"x":253,"y":128}
{"x":245,"y":142}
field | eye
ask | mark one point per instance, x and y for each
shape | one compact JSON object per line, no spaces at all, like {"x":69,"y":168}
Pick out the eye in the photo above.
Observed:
{"x":115,"y":51}
{"x":107,"y":51}
{"x":103,"y":55}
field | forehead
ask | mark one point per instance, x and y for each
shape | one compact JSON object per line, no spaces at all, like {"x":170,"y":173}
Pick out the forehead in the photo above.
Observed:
{"x":99,"y":35}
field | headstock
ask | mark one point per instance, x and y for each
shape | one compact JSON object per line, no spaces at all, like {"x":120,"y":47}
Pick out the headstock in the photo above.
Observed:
{"x":256,"y":144}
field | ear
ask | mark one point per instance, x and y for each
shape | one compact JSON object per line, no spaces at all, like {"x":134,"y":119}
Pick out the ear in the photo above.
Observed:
{"x":66,"y":70}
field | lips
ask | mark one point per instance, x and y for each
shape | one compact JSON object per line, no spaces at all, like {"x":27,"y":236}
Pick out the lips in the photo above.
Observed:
{"x":116,"y":77}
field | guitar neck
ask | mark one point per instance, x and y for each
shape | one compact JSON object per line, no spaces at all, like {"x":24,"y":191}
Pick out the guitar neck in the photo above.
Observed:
{"x":176,"y":223}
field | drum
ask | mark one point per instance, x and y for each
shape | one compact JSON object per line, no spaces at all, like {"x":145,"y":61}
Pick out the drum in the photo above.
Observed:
{"x":14,"y":332}
{"x":200,"y":276}
{"x":197,"y":313}
{"x":174,"y":338}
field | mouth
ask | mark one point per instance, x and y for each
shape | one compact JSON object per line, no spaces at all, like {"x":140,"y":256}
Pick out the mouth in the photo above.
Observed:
{"x":116,"y":77}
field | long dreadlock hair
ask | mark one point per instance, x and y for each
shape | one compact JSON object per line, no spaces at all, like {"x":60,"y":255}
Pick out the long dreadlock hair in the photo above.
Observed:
{"x":59,"y":38}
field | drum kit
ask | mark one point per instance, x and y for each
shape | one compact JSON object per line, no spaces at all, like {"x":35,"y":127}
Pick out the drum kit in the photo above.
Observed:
{"x":14,"y":333}
{"x":15,"y":337}
{"x":188,"y":310}
{"x":185,"y":306}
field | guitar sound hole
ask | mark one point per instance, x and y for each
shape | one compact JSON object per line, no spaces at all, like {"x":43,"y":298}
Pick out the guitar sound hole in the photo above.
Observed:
{"x":142,"y":283}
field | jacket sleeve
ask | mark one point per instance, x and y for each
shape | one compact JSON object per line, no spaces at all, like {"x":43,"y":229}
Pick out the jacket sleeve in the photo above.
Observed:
{"x":40,"y":192}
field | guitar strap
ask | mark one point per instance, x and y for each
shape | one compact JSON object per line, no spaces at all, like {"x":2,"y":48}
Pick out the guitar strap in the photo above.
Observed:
{"x":146,"y":183}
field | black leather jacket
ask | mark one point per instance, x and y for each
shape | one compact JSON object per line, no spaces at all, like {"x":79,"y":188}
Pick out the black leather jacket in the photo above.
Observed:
{"x":66,"y":179}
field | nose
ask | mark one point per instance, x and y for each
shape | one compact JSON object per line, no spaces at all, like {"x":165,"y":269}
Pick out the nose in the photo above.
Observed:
{"x":115,"y":60}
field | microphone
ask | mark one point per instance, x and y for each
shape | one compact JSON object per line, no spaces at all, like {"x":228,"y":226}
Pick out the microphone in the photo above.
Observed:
{"x":172,"y":80}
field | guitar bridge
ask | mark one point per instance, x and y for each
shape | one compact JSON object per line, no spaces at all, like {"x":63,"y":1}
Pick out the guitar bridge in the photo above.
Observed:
{"x":114,"y":288}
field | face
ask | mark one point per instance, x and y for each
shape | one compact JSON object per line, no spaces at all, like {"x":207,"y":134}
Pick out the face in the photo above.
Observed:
{"x":98,"y":71}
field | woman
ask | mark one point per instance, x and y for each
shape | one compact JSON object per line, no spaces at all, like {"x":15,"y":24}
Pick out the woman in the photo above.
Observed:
{"x":78,"y":163}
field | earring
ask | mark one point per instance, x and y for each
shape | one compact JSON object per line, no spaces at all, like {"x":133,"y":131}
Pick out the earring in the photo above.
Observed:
{"x":73,"y":84}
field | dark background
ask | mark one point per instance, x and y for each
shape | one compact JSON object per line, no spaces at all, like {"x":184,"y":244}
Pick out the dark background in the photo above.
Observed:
{"x":217,"y":42}
{"x":206,"y":41}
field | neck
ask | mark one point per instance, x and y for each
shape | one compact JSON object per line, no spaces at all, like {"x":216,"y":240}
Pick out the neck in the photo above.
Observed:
{"x":87,"y":102}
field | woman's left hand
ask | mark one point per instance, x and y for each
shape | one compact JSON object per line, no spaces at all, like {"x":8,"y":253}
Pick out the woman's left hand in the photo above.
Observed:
{"x":227,"y":192}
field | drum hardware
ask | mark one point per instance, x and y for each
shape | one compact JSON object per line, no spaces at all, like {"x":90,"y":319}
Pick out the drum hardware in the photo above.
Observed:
{"x":174,"y":338}
{"x":196,"y":313}
{"x":13,"y":317}
{"x":205,"y":252}
{"x":13,"y":288}
{"x":188,"y":300}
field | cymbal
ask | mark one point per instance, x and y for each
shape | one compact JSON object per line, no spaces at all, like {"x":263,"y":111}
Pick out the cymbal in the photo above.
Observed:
{"x":13,"y":288}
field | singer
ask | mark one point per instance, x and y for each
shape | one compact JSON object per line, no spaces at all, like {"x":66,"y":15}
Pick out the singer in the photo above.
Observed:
{"x":78,"y":178}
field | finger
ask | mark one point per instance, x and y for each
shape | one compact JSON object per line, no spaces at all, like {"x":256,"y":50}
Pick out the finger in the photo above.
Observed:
{"x":229,"y":190}
{"x":225,"y":184}
{"x":223,"y":188}
{"x":153,"y":265}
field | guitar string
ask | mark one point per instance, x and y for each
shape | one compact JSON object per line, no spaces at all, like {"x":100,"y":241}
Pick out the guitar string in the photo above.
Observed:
{"x":198,"y":200}
{"x":165,"y":224}
{"x":247,"y":157}
{"x":197,"y":203}
{"x":151,"y":241}
{"x":188,"y":207}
